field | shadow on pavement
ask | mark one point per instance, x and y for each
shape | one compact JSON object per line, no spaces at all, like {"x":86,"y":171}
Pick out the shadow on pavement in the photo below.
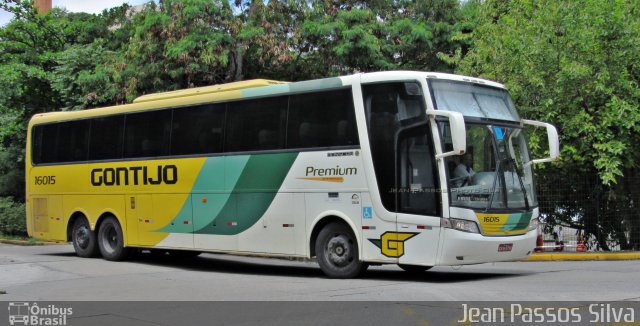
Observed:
{"x":220,"y":263}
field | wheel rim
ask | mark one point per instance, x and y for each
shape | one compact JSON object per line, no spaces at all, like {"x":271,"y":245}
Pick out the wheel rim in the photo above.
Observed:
{"x":339,"y":251}
{"x":83,"y":236}
{"x":109,"y":239}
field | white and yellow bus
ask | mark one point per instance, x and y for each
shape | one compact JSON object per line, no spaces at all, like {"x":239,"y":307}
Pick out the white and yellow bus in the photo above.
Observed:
{"x":410,"y":168}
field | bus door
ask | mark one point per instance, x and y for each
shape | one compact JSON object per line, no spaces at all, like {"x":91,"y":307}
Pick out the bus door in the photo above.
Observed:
{"x":418,"y":197}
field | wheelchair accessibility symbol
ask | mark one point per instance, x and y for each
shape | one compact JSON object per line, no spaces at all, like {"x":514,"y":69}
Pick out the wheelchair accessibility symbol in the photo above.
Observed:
{"x":367,"y":212}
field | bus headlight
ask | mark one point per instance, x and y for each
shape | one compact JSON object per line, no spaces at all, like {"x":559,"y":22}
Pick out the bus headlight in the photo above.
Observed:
{"x":533,"y":224}
{"x":460,"y":225}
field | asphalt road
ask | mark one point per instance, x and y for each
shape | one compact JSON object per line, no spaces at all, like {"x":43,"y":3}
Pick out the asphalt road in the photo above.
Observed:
{"x":55,"y":273}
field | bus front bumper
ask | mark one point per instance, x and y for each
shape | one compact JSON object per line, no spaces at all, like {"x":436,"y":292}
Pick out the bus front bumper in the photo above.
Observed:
{"x":462,"y":248}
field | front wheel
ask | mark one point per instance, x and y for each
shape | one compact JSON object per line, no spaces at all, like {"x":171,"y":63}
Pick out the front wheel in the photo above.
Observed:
{"x":83,"y":239}
{"x":337,"y":252}
{"x":111,"y":240}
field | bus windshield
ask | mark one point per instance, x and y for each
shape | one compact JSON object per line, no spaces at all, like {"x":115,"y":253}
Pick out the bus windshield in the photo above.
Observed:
{"x":494,"y":173}
{"x":473,"y":100}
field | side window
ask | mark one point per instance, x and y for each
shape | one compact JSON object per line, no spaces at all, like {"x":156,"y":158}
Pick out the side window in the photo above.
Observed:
{"x":197,"y":130}
{"x":389,"y":107}
{"x":147,"y":134}
{"x":60,"y":142}
{"x":44,"y":141}
{"x":256,"y":124}
{"x":322,"y":119}
{"x":106,"y":138}
{"x":72,"y":141}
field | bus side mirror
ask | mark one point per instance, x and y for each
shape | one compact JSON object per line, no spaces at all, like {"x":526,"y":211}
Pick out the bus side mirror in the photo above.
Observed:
{"x":552,"y":136}
{"x":458,"y":131}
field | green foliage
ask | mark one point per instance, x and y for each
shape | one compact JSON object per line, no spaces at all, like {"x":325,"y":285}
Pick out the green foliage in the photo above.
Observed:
{"x":575,"y":64}
{"x":177,"y":44}
{"x":381,"y":35}
{"x":344,"y":40}
{"x":12,"y":217}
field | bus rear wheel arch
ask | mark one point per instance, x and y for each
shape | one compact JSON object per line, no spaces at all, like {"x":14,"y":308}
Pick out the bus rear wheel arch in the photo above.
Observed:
{"x":337,"y":252}
{"x":83,"y":238}
{"x":110,"y":240}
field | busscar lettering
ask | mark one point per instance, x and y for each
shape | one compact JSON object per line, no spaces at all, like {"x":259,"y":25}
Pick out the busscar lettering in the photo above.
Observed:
{"x":136,"y":175}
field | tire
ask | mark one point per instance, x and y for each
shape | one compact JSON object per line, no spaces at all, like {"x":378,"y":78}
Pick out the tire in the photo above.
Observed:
{"x":111,"y":240}
{"x":337,"y":252}
{"x":415,"y":269}
{"x":84,"y":240}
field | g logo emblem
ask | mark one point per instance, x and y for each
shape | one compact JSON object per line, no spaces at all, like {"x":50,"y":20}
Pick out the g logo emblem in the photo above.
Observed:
{"x":391,"y":244}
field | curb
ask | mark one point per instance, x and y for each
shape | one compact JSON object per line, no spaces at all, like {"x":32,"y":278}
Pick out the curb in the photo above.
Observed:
{"x":26,"y":242}
{"x":584,"y":256}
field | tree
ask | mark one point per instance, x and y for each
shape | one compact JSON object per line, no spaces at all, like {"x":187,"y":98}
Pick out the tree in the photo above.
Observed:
{"x":32,"y":48}
{"x":177,"y":44}
{"x":576,"y":64}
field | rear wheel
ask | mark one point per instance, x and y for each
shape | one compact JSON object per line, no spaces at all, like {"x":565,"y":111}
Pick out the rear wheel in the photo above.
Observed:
{"x":111,"y":240}
{"x":83,"y":239}
{"x":337,"y":252}
{"x":414,"y":268}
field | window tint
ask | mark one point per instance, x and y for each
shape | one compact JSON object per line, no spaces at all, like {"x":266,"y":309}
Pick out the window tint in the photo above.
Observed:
{"x":44,"y":143}
{"x":61,"y":142}
{"x":389,"y":107}
{"x":72,"y":141}
{"x":106,"y":139}
{"x":197,"y":130}
{"x":417,"y":177}
{"x":322,"y":119}
{"x":147,"y":134}
{"x":256,"y":124}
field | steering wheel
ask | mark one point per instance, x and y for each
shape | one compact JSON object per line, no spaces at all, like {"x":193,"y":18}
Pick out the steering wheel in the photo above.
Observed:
{"x":466,"y":178}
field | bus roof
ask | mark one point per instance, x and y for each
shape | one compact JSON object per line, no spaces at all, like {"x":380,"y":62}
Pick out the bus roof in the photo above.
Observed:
{"x":244,"y":89}
{"x":207,"y":90}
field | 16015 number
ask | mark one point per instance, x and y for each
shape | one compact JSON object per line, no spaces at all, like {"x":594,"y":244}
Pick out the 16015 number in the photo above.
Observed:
{"x":45,"y":180}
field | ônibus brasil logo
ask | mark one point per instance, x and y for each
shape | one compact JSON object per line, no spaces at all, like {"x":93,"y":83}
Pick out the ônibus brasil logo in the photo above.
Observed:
{"x":25,"y":313}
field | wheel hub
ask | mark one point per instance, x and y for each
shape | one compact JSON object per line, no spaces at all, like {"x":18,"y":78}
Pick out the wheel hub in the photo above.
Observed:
{"x":82,"y":237}
{"x":110,"y":240}
{"x":339,"y":251}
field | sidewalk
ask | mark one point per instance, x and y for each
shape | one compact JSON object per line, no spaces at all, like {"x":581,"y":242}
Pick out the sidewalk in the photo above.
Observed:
{"x":578,"y":256}
{"x":27,"y":242}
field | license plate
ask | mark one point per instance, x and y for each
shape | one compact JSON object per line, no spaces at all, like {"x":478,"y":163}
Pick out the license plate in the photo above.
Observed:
{"x":505,"y":247}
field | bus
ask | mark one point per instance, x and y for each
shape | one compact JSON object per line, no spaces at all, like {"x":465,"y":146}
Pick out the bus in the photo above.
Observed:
{"x":417,"y":169}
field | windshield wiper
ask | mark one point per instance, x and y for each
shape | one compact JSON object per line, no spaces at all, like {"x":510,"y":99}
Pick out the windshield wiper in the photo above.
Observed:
{"x":524,"y":190}
{"x":493,"y":188}
{"x":499,"y":174}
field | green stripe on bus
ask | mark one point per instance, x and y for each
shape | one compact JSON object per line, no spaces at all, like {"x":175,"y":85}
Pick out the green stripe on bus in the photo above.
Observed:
{"x":517,"y":221}
{"x":253,"y":194}
{"x":314,"y":85}
{"x":265,"y":90}
{"x":235,"y":204}
{"x":218,"y":175}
